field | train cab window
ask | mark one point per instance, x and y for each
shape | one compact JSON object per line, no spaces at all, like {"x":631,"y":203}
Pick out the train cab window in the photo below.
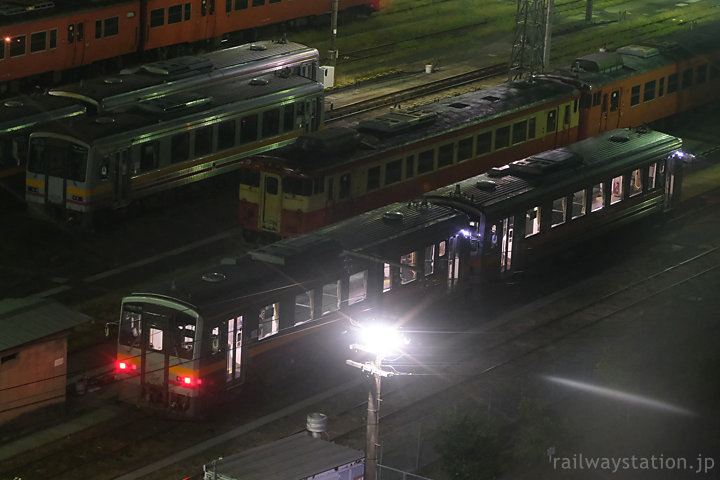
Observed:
{"x":597,"y":198}
{"x":17,"y":46}
{"x":661,"y":87}
{"x":156,"y":338}
{"x":345,"y":183}
{"x":484,"y":143}
{"x":268,"y":320}
{"x":465,"y":147}
{"x":373,"y":178}
{"x":187,"y":9}
{"x":635,"y":95}
{"x":672,"y":83}
{"x":215,"y":340}
{"x":502,"y":137}
{"x":203,"y":140}
{"x":250,"y":178}
{"x":578,"y":204}
{"x":559,"y":211}
{"x":687,"y":78}
{"x":387,"y":277}
{"x":272,"y":186}
{"x":532,"y":222}
{"x":249,"y":129}
{"x":71,"y":33}
{"x":270,"y":123}
{"x":174,"y":14}
{"x":649,"y":92}
{"x":226,"y":134}
{"x":157,"y":17}
{"x":551,"y":121}
{"x":38,"y":42}
{"x":357,"y":287}
{"x":319,"y":184}
{"x":408,"y":268}
{"x":149,"y":155}
{"x":429,"y":267}
{"x":635,"y":186}
{"x":258,"y":3}
{"x":426,"y":160}
{"x":410,"y":166}
{"x":701,"y":73}
{"x":304,"y":306}
{"x":442,"y":249}
{"x":393,"y":172}
{"x":445,"y":155}
{"x":184,"y":341}
{"x":331,"y":297}
{"x":180,"y":147}
{"x":615,"y":100}
{"x":597,"y":98}
{"x":585,"y":100}
{"x":203,"y":7}
{"x":616,"y":192}
{"x":519,"y":132}
{"x":288,"y":117}
{"x":130,"y":331}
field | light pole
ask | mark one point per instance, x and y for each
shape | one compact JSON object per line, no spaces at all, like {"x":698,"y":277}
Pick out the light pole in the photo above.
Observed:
{"x":379,"y":341}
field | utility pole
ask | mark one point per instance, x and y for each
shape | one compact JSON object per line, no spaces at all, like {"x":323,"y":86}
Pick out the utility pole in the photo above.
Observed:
{"x":333,"y":53}
{"x":588,"y":11}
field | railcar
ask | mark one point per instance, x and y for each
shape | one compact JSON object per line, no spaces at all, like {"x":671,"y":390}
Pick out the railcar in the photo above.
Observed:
{"x":46,"y":38}
{"x":110,"y":159}
{"x":183,"y":344}
{"x":327,"y":177}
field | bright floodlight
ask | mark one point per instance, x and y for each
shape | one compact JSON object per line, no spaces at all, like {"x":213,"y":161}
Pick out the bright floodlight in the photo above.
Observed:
{"x":381,"y":340}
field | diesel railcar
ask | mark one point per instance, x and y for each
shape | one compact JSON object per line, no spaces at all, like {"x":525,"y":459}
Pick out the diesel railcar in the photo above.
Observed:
{"x":108,"y":160}
{"x":46,"y":38}
{"x":183,"y":344}
{"x":341,"y":172}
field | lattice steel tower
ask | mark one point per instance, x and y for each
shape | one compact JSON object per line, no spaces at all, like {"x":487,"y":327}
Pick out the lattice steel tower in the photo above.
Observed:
{"x":531,"y":39}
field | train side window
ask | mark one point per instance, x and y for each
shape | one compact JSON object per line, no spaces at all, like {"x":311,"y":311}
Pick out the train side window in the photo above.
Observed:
{"x":304,"y":306}
{"x":156,"y":338}
{"x":268,"y":320}
{"x":408,"y":274}
{"x":635,"y":186}
{"x":598,"y":197}
{"x":288,"y":117}
{"x":429,"y":267}
{"x":157,"y":17}
{"x":484,"y":143}
{"x":258,"y":3}
{"x":249,"y":129}
{"x":331,"y":297}
{"x":465,"y":147}
{"x":551,"y":121}
{"x":616,"y":193}
{"x":410,"y":166}
{"x":319,"y":184}
{"x":635,"y":95}
{"x":373,"y":178}
{"x":274,"y":1}
{"x":53,"y":40}
{"x":660,"y":174}
{"x":442,"y":249}
{"x":661,"y":87}
{"x":212,"y":7}
{"x":532,"y":222}
{"x":215,"y":340}
{"x":649,"y":92}
{"x":17,"y":46}
{"x":111,"y":27}
{"x":445,"y":155}
{"x":203,"y":140}
{"x":357,"y":287}
{"x":652,"y":169}
{"x":98,"y":28}
{"x":174,"y":14}
{"x":714,"y":72}
{"x":519,"y":132}
{"x":425,"y":161}
{"x":2,"y":50}
{"x":578,"y":205}
{"x":71,"y":33}
{"x":531,"y":128}
{"x":330,"y":188}
{"x":566,"y":117}
{"x":393,"y":171}
{"x":270,"y":123}
{"x":559,"y":211}
{"x":701,"y":73}
{"x":345,"y":183}
{"x":585,"y":100}
{"x":226,"y":134}
{"x":241,"y":4}
{"x":597,"y":98}
{"x":387,"y":277}
{"x":187,"y":9}
{"x":502,"y":137}
{"x":38,"y":42}
{"x":180,"y":147}
{"x":687,"y":78}
{"x":149,"y":155}
{"x":672,"y":83}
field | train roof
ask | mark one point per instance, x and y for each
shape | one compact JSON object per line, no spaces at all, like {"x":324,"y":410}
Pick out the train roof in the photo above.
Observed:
{"x":408,"y":126}
{"x":18,"y":12}
{"x":158,"y":78}
{"x":603,"y":68}
{"x":25,"y":111}
{"x":537,"y":176}
{"x":230,"y":97}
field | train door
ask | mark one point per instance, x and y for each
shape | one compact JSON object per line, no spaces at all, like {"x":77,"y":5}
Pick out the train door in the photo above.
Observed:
{"x":610,"y":114}
{"x":506,"y":246}
{"x":121,"y":178}
{"x":76,"y":43}
{"x":234,"y":349}
{"x":270,"y":203}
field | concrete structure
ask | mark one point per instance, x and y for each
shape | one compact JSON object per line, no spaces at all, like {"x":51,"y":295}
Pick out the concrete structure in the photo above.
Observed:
{"x":33,"y":354}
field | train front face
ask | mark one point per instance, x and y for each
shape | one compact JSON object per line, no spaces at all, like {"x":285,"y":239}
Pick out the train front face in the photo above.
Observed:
{"x":159,"y":355}
{"x":59,"y":177}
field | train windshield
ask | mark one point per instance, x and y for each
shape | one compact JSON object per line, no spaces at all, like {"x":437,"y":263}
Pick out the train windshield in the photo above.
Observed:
{"x":56,"y":157}
{"x":157,"y":328}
